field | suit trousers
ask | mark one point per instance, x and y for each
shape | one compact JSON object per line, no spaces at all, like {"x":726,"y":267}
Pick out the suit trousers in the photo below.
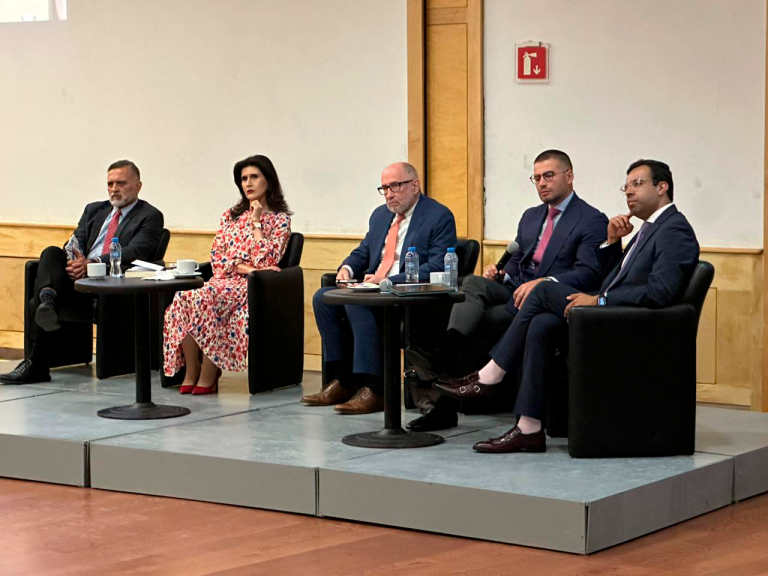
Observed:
{"x":484,"y":302}
{"x":336,"y":322}
{"x":52,"y":273}
{"x":537,"y":332}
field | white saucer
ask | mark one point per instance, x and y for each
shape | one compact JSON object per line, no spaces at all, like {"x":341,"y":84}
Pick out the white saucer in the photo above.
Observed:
{"x":190,"y":275}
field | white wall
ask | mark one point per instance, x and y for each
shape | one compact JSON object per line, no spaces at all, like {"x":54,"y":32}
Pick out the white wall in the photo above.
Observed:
{"x":680,"y":81}
{"x":185,"y":88}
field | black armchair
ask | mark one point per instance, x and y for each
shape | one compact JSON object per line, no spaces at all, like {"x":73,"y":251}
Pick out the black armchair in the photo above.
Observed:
{"x":114,"y":319}
{"x":276,"y":310}
{"x":632,"y":377}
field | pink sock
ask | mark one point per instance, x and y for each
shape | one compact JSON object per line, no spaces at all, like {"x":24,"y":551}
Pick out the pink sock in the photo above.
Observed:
{"x":529,"y":425}
{"x":491,"y":373}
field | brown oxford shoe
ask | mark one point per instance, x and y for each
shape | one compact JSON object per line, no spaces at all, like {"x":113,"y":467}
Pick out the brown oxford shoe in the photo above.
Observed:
{"x":364,"y":402}
{"x":331,"y":395}
{"x":514,"y":441}
{"x":467,"y":387}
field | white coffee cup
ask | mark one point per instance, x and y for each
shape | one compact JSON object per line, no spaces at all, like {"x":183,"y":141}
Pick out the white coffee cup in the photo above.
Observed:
{"x":437,"y":278}
{"x":97,"y":270}
{"x":186,"y":266}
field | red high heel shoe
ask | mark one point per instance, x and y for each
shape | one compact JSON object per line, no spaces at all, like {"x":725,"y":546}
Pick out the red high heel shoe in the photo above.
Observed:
{"x":198,"y":390}
{"x":187,"y":389}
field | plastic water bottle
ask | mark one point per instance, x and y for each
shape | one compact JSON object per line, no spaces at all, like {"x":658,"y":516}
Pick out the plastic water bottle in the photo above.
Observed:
{"x":115,"y":259}
{"x":451,"y":267}
{"x":412,"y":265}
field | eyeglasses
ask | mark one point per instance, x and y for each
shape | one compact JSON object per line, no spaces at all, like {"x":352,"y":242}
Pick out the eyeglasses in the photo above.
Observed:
{"x":637,"y":183}
{"x":395,"y":186}
{"x":536,"y":178}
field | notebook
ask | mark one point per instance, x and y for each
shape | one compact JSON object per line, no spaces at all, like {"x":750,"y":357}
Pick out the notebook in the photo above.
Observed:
{"x":419,"y":289}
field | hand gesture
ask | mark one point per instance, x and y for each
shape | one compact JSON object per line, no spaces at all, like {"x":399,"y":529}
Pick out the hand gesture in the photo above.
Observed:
{"x":373,"y":279}
{"x":619,"y":226}
{"x":256,"y":211}
{"x":343,"y":274}
{"x":491,"y":272}
{"x":78,"y":267}
{"x":522,"y":292}
{"x":579,"y":299}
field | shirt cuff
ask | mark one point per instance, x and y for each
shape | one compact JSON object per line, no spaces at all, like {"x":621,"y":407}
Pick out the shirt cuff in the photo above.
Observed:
{"x":351,"y":272}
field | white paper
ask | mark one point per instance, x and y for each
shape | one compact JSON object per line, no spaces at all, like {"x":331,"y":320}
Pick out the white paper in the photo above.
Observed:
{"x":141,"y":265}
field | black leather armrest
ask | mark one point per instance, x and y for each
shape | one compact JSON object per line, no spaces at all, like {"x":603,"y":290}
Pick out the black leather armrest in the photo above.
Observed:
{"x":206,"y":269}
{"x":275,"y":328}
{"x":328,"y":279}
{"x":632,"y":371}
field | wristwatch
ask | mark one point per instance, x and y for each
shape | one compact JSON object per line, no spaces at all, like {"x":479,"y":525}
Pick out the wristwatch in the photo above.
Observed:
{"x":601,"y":300}
{"x":257,"y":225}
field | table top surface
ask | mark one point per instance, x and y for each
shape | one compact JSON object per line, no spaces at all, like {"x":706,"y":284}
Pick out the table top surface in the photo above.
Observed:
{"x":383,"y":299}
{"x":109,"y":285}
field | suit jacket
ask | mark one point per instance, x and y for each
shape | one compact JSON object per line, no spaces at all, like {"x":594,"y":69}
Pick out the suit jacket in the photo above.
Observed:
{"x":658,"y":269}
{"x":572,"y":253}
{"x":432,"y":230}
{"x":139,"y":232}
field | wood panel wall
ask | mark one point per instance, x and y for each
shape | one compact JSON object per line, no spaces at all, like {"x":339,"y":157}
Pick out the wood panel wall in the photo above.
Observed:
{"x":729,"y":369}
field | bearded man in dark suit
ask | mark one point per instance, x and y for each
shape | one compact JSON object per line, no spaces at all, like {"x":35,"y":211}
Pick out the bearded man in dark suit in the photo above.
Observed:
{"x":139,"y":227}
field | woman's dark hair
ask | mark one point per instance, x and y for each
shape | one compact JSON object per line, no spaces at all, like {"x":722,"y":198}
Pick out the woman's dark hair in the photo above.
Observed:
{"x":275,"y":199}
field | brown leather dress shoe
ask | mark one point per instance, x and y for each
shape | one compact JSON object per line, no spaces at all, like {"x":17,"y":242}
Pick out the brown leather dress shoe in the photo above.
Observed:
{"x":467,"y":387}
{"x":331,"y":395}
{"x":514,"y":441}
{"x":364,"y":402}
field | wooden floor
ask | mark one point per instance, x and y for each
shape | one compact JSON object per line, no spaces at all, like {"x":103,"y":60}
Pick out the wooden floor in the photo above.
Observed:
{"x":58,"y":530}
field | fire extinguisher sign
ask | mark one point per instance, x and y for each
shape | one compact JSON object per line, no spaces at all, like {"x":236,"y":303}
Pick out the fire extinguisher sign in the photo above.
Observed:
{"x":532,"y":62}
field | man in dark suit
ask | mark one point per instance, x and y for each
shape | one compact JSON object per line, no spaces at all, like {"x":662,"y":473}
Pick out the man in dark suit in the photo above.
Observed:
{"x":407,"y":219}
{"x":557,"y":241}
{"x":136,"y":223}
{"x":652,"y":272}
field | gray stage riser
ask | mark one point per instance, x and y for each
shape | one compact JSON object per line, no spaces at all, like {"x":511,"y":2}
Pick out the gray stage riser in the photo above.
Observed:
{"x":645,"y":509}
{"x":43,"y":460}
{"x":484,"y":514}
{"x":225,"y":481}
{"x":751,"y":474}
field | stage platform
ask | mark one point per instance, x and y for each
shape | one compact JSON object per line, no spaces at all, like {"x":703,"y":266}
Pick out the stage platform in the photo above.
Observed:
{"x":268,"y":451}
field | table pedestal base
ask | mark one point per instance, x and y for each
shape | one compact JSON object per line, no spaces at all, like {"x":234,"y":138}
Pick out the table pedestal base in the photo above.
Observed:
{"x":143,"y":411}
{"x":392,"y":438}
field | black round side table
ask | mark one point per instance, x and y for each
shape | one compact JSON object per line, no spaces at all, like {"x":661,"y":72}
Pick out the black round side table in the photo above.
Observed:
{"x":392,"y":435}
{"x":142,"y":291}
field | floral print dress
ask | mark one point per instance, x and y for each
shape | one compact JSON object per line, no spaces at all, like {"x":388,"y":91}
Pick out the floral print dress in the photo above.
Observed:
{"x":216,"y":315}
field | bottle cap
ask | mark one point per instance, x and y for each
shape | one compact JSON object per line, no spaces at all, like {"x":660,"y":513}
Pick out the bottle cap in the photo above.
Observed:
{"x":451,"y":249}
{"x":115,"y":239}
{"x":412,"y":248}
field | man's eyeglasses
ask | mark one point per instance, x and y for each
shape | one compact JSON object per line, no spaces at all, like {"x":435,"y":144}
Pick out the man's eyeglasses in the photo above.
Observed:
{"x":536,"y":178}
{"x":395,"y":186}
{"x":637,"y":183}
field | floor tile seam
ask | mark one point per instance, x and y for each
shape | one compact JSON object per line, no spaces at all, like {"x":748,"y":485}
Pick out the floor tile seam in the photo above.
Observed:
{"x":32,"y":396}
{"x":240,"y":413}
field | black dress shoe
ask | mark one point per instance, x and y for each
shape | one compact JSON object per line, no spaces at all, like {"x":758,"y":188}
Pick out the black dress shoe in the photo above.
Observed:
{"x":46,"y":315}
{"x":514,"y":441}
{"x":27,"y":372}
{"x":434,"y":419}
{"x":467,"y":387}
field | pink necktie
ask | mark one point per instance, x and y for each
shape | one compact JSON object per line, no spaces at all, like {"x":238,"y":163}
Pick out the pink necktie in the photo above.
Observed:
{"x":548,"y":229}
{"x":111,"y":232}
{"x":389,"y":247}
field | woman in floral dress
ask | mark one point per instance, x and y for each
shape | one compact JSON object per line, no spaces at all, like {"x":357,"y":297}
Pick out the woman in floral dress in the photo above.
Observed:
{"x":213,"y":319}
